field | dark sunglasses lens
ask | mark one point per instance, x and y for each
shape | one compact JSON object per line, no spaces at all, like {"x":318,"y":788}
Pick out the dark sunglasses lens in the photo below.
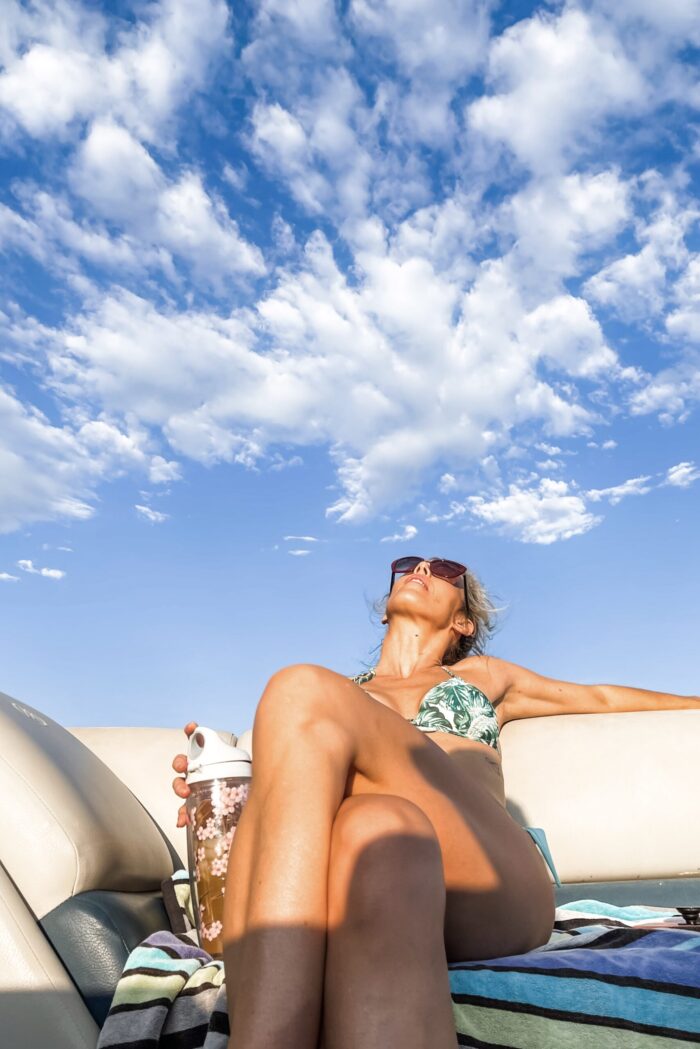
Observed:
{"x":446,"y":569}
{"x":405,"y":564}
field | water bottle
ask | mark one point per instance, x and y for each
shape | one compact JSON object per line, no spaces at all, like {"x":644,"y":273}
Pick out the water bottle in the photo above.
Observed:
{"x":218,"y":776}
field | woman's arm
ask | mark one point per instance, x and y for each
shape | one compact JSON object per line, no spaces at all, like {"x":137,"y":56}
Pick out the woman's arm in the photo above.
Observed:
{"x":530,"y":695}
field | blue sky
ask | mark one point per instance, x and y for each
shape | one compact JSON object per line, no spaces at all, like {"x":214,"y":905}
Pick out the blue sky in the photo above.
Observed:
{"x":292,"y":289}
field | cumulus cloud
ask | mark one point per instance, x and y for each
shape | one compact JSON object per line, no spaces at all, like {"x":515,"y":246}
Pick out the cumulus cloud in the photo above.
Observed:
{"x":47,"y":573}
{"x":682,"y":475}
{"x":162,"y":471}
{"x":6,"y":577}
{"x":347,"y":364}
{"x":671,"y":394}
{"x":614,"y":494}
{"x":448,"y":483}
{"x":45,"y":470}
{"x":117,"y":175}
{"x":58,"y":69}
{"x":407,"y":533}
{"x":431,"y":318}
{"x":434,"y":45}
{"x":545,"y":513}
{"x":153,"y":516}
{"x":636,"y":285}
{"x":49,"y":470}
{"x":555,"y":78}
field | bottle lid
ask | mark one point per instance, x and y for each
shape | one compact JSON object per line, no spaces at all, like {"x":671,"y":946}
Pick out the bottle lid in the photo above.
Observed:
{"x":208,"y":757}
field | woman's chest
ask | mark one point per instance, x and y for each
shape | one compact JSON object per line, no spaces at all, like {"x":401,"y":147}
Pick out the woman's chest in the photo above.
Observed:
{"x":415,"y":697}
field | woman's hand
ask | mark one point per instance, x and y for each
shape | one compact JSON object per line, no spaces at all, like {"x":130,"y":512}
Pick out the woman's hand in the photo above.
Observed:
{"x":179,"y":785}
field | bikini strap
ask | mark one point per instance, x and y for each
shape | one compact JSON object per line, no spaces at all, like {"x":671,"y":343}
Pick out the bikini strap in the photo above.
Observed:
{"x":448,"y":671}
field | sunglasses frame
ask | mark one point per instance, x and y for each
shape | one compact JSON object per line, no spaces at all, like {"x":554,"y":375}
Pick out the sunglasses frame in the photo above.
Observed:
{"x":430,"y":560}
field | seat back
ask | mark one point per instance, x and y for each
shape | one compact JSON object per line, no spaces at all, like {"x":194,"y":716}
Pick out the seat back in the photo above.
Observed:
{"x":79,"y":848}
{"x":616,"y":793}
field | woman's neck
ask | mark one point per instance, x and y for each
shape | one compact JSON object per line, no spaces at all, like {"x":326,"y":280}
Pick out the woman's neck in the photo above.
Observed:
{"x":409,"y":648}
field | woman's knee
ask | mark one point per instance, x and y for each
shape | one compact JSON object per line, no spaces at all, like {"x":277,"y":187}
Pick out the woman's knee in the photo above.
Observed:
{"x":385,"y":857}
{"x":302,"y":693}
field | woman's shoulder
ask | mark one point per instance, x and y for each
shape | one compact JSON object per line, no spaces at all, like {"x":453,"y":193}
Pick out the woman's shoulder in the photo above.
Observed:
{"x":489,"y":673}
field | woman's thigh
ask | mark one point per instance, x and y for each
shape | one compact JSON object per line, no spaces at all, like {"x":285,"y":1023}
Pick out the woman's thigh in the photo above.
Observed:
{"x":499,"y":896}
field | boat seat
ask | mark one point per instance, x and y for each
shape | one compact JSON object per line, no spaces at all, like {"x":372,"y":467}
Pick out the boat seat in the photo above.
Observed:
{"x":81,"y":851}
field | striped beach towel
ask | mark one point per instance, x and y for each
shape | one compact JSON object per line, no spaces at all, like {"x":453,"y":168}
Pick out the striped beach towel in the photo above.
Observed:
{"x":603,"y":981}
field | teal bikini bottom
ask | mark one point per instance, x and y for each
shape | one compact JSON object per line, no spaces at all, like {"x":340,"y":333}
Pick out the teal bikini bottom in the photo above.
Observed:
{"x":540,"y":839}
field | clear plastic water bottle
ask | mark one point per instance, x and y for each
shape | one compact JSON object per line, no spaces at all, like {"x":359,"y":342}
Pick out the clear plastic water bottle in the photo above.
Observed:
{"x":219,"y":779}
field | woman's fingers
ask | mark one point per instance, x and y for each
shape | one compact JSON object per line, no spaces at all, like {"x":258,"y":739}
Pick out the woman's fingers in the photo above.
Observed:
{"x":179,"y":785}
{"x":180,"y":763}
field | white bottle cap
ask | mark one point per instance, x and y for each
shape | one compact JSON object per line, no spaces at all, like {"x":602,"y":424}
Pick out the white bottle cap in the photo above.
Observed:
{"x":208,"y":757}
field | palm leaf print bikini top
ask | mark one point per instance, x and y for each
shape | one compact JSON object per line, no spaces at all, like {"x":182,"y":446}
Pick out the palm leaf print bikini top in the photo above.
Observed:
{"x":453,"y":706}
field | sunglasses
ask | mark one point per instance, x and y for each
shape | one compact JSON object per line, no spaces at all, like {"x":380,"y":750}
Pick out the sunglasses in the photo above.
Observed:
{"x":439,"y":567}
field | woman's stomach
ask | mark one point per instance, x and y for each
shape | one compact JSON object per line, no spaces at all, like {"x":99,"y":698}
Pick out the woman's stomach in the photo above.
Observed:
{"x":475,"y":760}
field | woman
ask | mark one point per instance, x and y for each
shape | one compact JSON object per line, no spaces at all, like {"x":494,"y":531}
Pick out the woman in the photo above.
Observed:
{"x":375,"y":846}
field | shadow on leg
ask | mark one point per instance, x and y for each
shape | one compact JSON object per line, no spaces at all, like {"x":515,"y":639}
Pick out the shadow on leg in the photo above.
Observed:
{"x":386,"y":978}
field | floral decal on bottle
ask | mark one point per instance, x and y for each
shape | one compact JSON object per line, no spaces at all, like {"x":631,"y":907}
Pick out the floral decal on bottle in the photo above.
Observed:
{"x":214,"y":807}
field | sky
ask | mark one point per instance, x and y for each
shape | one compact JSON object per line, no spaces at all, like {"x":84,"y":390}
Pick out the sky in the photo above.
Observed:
{"x":292,"y":288}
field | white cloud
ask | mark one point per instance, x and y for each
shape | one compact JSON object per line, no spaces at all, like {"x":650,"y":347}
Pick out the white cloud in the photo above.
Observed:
{"x":5,"y":577}
{"x":443,"y":38}
{"x":45,"y":470}
{"x":300,"y":538}
{"x":636,"y":284}
{"x":682,"y":475}
{"x":684,"y":320}
{"x":567,"y":336}
{"x":352,"y":366}
{"x":48,"y":232}
{"x":314,"y":147}
{"x":59,"y":68}
{"x":47,"y":573}
{"x":154,"y":516}
{"x":436,"y":45}
{"x":161,"y":470}
{"x":447,"y":484}
{"x":614,"y":494}
{"x":299,"y":553}
{"x":559,"y":220}
{"x":120,"y":179}
{"x":409,"y":532}
{"x":671,"y":393}
{"x":544,"y":514}
{"x":449,"y":332}
{"x":556,"y":78}
{"x":49,"y":471}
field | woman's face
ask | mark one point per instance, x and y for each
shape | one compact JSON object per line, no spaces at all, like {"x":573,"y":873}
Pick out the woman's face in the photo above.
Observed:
{"x":426,"y":595}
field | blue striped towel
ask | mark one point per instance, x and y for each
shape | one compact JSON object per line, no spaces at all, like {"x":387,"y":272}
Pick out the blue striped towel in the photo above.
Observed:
{"x":603,"y":981}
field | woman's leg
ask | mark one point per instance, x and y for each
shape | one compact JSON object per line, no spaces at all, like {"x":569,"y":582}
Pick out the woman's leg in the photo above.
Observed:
{"x":385,"y":973}
{"x":275,"y":940}
{"x":317,"y":739}
{"x":386,"y":979}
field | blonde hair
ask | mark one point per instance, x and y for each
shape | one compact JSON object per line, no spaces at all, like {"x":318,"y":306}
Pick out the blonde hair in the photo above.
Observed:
{"x":482,"y":613}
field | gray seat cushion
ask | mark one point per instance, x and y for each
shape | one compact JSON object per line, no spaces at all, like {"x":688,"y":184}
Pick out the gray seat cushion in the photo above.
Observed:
{"x":94,"y":932}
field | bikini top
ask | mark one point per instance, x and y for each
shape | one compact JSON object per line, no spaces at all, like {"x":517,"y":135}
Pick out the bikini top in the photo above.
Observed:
{"x":453,"y":706}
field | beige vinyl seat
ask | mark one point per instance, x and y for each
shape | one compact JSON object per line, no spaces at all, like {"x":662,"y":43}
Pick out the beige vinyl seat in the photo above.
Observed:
{"x":81,"y":866}
{"x":87,"y":835}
